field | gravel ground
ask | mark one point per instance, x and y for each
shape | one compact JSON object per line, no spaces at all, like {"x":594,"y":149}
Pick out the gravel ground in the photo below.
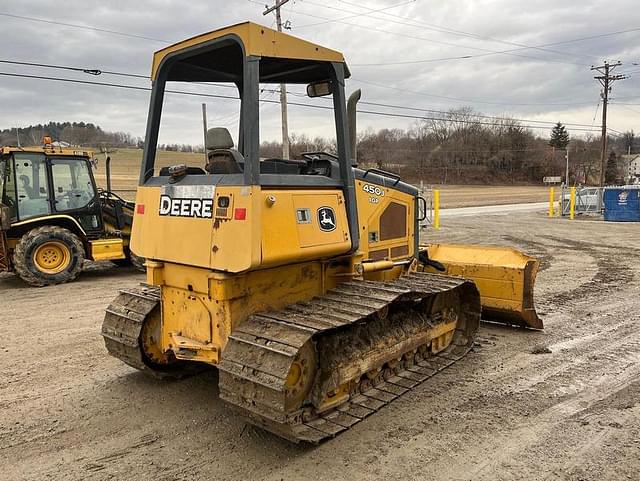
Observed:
{"x":561,"y":404}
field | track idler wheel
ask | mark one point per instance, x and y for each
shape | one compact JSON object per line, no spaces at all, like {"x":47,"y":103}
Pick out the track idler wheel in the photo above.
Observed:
{"x":300,"y":377}
{"x":150,"y":342}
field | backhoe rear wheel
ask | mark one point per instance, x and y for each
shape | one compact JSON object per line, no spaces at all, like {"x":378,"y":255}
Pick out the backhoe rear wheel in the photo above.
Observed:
{"x":131,"y":260}
{"x":48,"y":255}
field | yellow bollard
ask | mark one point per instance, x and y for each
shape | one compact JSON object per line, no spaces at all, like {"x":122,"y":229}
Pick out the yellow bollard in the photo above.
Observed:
{"x":572,"y":203}
{"x":436,"y":209}
{"x":551,"y":196}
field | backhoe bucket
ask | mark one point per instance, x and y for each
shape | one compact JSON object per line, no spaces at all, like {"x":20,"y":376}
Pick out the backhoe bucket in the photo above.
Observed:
{"x":504,"y":277}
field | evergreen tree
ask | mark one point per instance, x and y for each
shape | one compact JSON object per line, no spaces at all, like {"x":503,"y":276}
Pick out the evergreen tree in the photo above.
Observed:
{"x":611,"y":173}
{"x":559,"y":137}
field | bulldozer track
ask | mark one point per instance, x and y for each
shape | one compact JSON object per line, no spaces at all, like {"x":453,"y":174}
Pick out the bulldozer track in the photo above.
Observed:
{"x":122,"y":326}
{"x":123,"y":323}
{"x":259,"y":354}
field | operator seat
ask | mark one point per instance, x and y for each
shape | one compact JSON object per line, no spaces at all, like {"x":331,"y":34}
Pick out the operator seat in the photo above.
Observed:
{"x":223,"y":158}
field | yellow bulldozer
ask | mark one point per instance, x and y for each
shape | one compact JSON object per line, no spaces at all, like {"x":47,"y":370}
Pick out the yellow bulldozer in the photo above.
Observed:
{"x":303,"y":281}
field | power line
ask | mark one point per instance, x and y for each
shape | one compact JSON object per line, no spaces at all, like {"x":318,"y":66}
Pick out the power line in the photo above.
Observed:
{"x":300,"y":104}
{"x":489,"y":52}
{"x":595,"y":114}
{"x":75,"y":69}
{"x":84,"y":27}
{"x":109,"y":84}
{"x":551,"y":122}
{"x":421,"y":109}
{"x":420,"y":24}
{"x":563,"y":42}
{"x":142,"y":37}
{"x":289,"y":92}
{"x":495,"y":124}
{"x":354,"y":14}
{"x":457,"y":99}
{"x":625,"y":106}
{"x":96,"y":72}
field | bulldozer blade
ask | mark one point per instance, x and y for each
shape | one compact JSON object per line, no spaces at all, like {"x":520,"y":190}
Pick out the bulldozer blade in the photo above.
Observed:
{"x":504,"y":276}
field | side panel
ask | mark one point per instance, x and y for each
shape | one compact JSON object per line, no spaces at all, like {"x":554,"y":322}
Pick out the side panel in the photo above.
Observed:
{"x":300,"y":225}
{"x":386,"y":218}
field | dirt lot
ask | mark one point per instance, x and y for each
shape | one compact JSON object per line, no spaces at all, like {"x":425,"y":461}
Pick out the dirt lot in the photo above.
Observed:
{"x":503,"y":413}
{"x":125,"y":170}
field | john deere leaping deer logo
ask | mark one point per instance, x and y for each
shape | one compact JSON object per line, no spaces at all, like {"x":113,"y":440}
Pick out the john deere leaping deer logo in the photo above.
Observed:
{"x":326,"y":219}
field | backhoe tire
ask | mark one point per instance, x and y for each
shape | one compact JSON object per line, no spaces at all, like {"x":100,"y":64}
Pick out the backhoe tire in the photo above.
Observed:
{"x":131,"y":260}
{"x":138,"y":262}
{"x":48,"y":255}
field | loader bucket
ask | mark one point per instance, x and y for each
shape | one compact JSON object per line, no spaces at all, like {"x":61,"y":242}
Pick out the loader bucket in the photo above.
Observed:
{"x":504,"y":276}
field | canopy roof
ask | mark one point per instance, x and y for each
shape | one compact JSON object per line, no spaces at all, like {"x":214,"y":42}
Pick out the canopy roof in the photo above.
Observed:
{"x":284,"y":58}
{"x":49,"y":150}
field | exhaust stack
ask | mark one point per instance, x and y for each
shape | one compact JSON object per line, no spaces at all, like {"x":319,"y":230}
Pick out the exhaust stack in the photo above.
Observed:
{"x":353,"y":131}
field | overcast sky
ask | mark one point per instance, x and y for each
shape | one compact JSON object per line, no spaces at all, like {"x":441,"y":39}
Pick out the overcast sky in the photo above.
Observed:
{"x":395,"y":50}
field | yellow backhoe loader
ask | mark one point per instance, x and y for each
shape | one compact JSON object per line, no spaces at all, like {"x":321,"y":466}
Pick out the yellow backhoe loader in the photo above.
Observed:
{"x":302,"y":281}
{"x":53,"y":216}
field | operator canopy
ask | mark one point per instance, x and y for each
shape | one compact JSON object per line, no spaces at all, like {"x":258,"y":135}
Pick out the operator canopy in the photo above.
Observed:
{"x":247,"y":55}
{"x":218,"y":57}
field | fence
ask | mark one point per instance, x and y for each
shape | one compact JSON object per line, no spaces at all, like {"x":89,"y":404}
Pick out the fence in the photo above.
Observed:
{"x":588,"y":201}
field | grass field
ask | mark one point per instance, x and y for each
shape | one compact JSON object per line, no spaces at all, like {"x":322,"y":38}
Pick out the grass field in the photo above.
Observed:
{"x":125,"y":170}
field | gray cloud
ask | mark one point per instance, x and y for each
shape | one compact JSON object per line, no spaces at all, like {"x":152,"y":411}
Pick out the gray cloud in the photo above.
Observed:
{"x":525,"y":84}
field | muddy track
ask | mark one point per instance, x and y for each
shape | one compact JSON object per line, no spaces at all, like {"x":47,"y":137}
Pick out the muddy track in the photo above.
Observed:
{"x":533,"y":249}
{"x":611,"y":275}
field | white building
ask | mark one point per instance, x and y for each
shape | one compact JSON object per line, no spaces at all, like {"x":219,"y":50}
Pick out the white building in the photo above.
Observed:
{"x":631,"y":167}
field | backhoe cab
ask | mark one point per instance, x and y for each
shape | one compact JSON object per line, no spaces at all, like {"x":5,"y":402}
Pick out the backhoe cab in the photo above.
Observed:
{"x":54,"y":217}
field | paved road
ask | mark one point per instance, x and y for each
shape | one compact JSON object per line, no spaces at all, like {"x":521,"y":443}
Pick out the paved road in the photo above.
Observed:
{"x":494,"y":209}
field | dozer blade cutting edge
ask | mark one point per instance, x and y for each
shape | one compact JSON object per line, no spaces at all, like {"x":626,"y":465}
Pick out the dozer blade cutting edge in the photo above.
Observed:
{"x":504,"y":276}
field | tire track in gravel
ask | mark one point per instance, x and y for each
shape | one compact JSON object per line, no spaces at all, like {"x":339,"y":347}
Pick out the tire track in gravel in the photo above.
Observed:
{"x":569,"y":393}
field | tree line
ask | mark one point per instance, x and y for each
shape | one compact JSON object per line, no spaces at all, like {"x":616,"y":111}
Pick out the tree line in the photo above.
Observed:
{"x":74,"y":133}
{"x":460,"y":146}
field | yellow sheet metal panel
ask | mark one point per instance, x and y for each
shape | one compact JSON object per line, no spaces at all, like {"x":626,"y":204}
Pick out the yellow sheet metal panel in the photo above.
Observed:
{"x":373,"y":201}
{"x":504,"y":276}
{"x":258,"y":40}
{"x":236,"y":234}
{"x":303,"y":225}
{"x":165,"y":228}
{"x":480,"y":255}
{"x":107,"y":249}
{"x":179,"y":224}
{"x":201,"y":306}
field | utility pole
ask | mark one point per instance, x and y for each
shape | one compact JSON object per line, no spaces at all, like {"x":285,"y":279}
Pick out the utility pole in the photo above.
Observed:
{"x":283,"y":87}
{"x":566,"y":176}
{"x":204,"y":129}
{"x":606,"y":79}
